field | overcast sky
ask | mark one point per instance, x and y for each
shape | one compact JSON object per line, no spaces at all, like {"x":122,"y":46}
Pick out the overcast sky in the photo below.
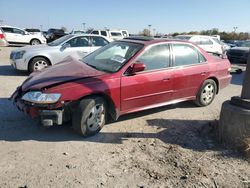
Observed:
{"x":165,"y":16}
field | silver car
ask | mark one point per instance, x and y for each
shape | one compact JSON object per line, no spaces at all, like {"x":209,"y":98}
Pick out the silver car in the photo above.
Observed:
{"x":33,"y":58}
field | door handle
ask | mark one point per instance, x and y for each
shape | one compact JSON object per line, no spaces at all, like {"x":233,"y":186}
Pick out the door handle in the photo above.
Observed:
{"x":204,"y":73}
{"x":166,"y":79}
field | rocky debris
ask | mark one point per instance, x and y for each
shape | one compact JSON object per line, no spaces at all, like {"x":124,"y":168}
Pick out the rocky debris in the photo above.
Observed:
{"x":70,"y":166}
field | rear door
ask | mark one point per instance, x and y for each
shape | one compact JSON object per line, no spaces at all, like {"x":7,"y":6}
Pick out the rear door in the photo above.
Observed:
{"x":191,"y":69}
{"x":152,"y":86}
{"x":21,"y":36}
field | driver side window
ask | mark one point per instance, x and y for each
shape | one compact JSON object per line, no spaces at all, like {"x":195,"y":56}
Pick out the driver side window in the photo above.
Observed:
{"x":157,"y":57}
{"x":79,"y":42}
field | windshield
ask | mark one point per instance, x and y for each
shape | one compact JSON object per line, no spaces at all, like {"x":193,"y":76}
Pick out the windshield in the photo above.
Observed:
{"x":113,"y":56}
{"x":60,"y":40}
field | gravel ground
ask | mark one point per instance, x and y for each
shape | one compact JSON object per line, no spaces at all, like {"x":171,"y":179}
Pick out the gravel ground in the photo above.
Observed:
{"x":172,"y":146}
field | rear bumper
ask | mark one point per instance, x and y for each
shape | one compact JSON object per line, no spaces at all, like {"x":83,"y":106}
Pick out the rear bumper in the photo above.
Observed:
{"x":224,"y":81}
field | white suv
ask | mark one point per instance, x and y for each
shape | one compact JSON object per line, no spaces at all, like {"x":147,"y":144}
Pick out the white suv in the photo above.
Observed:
{"x":16,"y":35}
{"x":210,"y":44}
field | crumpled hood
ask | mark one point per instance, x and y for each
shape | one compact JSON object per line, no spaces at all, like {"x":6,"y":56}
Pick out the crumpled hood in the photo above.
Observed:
{"x":67,"y":70}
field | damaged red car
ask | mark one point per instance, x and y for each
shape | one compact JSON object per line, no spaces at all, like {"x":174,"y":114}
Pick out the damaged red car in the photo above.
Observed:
{"x":125,"y":76}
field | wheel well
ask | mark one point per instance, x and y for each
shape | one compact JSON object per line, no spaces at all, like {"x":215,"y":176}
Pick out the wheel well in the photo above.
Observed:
{"x":36,"y":57}
{"x":217,"y":83}
{"x":112,"y":111}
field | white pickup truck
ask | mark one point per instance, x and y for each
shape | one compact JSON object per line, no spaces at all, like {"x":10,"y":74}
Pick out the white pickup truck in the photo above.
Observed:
{"x":113,"y":34}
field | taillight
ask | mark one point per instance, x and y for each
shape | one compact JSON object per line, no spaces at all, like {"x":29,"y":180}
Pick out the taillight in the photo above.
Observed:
{"x":1,"y":36}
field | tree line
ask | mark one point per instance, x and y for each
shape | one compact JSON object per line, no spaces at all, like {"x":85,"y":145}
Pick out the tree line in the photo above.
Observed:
{"x":223,"y":34}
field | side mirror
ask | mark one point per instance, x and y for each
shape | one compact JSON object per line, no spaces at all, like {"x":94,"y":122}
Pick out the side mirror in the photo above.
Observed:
{"x":138,"y":67}
{"x":64,"y":46}
{"x":26,"y":33}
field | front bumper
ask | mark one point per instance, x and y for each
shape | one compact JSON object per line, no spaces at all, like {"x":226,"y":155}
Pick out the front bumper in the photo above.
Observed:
{"x":48,"y":117}
{"x":51,"y":117}
{"x":19,"y":64}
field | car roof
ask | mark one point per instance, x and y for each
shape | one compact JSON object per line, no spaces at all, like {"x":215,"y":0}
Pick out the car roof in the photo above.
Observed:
{"x":151,"y":40}
{"x":88,"y":35}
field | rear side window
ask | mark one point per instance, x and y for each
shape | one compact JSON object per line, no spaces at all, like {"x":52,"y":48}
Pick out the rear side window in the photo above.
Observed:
{"x":116,"y":34}
{"x":18,"y":31}
{"x":185,"y":55}
{"x":95,"y":32}
{"x":7,"y":30}
{"x":103,"y":33}
{"x":157,"y":57}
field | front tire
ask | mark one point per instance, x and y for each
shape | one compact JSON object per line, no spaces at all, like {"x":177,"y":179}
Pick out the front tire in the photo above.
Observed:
{"x":90,"y":116}
{"x":38,"y":63}
{"x":206,"y":94}
{"x":35,"y":42}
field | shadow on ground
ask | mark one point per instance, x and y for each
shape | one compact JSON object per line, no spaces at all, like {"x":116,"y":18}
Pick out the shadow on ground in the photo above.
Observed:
{"x":195,"y":135}
{"x":15,"y":126}
{"x":237,"y":77}
{"x":8,"y":70}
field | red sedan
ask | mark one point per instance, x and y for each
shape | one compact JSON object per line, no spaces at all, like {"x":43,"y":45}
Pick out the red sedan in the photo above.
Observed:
{"x":125,"y":76}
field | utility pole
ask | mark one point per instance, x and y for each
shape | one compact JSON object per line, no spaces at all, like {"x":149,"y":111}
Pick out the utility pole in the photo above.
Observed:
{"x":149,"y":28}
{"x":83,"y":24}
{"x":234,"y":29}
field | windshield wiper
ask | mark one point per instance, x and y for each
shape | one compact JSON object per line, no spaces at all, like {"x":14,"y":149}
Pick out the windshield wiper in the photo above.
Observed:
{"x":97,"y":68}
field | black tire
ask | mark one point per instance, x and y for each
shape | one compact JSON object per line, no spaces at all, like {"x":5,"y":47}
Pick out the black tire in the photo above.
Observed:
{"x":206,"y":94}
{"x":34,"y":64}
{"x":84,"y":116}
{"x":35,"y":42}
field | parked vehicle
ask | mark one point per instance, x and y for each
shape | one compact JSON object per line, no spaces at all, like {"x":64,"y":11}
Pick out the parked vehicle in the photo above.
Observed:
{"x":77,"y":32}
{"x":113,"y":34}
{"x":210,"y":44}
{"x":33,"y":31}
{"x":3,"y":41}
{"x":125,"y":76}
{"x":34,"y":58}
{"x":16,"y":35}
{"x":53,"y":34}
{"x":239,"y":54}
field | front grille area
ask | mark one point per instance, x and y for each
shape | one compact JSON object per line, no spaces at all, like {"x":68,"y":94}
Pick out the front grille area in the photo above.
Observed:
{"x":235,"y":54}
{"x":12,"y":55}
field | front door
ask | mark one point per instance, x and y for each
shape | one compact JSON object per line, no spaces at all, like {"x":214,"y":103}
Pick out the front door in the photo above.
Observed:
{"x":78,"y":48}
{"x":152,"y":86}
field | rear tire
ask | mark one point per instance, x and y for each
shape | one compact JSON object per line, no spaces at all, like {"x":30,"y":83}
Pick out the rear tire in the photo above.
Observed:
{"x":206,"y":94}
{"x":38,"y":63}
{"x":35,"y":42}
{"x":90,"y":116}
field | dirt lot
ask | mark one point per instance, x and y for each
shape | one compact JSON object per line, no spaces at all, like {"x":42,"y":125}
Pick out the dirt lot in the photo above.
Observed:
{"x":171,"y":146}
